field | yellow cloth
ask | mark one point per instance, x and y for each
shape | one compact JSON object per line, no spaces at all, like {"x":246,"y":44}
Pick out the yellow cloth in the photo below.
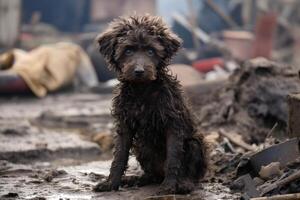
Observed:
{"x":48,"y":67}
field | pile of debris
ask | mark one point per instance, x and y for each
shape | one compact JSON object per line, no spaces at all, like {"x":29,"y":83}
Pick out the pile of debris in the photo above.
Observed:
{"x":269,"y":172}
{"x":272,"y":168}
{"x":251,"y":151}
{"x":252,"y":101}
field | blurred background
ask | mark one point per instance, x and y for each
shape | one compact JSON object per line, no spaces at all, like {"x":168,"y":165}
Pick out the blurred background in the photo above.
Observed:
{"x":214,"y":31}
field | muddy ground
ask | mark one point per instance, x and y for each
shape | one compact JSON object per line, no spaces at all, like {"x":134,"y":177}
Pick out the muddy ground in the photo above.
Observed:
{"x":56,"y":148}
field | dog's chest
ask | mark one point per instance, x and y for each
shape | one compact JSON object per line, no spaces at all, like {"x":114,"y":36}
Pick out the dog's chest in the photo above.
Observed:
{"x":145,"y":116}
{"x":148,"y":125}
{"x":143,"y":112}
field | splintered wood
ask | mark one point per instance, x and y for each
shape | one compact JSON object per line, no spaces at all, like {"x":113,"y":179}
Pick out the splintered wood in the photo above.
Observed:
{"x":294,"y":115}
{"x":280,"y":197}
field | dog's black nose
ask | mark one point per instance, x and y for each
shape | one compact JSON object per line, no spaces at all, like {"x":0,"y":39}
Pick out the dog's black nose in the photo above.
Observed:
{"x":139,"y":71}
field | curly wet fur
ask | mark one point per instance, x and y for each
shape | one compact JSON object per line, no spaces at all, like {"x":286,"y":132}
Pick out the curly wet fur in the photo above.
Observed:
{"x":151,"y":117}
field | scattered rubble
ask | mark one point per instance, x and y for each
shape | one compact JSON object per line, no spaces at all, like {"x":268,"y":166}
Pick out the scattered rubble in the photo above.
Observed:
{"x":251,"y":102}
{"x":270,"y":171}
{"x":250,"y":149}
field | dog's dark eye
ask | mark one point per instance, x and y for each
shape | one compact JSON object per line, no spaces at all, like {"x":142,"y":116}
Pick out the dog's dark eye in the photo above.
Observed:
{"x":150,"y":52}
{"x":128,"y":52}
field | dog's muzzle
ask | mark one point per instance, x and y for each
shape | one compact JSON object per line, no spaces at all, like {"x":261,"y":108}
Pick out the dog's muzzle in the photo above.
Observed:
{"x":139,"y":71}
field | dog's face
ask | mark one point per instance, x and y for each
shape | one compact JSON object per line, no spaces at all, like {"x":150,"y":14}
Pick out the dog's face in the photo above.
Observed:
{"x":138,"y":56}
{"x":138,"y":47}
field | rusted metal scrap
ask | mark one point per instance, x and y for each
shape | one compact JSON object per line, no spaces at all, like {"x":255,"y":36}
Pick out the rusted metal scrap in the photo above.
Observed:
{"x":284,"y":153}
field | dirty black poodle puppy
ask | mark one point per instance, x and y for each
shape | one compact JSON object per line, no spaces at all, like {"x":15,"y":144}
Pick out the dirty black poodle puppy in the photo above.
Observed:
{"x":150,"y":113}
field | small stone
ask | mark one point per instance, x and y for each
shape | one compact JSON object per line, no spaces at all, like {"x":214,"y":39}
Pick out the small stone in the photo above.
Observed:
{"x":270,"y":171}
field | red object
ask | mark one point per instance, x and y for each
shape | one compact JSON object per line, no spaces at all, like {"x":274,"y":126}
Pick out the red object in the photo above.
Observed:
{"x":264,"y":32}
{"x":12,"y":83}
{"x":207,"y":65}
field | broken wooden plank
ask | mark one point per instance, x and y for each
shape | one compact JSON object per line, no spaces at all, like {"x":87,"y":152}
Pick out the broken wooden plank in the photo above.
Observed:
{"x":237,"y":140}
{"x":202,"y":35}
{"x":295,"y":176}
{"x":221,"y":13}
{"x":168,"y":197}
{"x":294,"y":115}
{"x":280,"y":197}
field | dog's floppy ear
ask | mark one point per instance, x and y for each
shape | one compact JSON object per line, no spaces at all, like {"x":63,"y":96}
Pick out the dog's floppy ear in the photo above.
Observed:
{"x":171,"y":43}
{"x":107,"y":41}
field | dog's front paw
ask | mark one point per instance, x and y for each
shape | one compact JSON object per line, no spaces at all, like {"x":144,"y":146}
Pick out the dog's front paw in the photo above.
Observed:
{"x":105,"y":186}
{"x":167,"y":187}
{"x":185,"y":187}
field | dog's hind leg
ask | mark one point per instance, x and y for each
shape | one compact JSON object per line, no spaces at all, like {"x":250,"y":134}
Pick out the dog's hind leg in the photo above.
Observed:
{"x":173,"y":164}
{"x":194,"y":166}
{"x":196,"y":161}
